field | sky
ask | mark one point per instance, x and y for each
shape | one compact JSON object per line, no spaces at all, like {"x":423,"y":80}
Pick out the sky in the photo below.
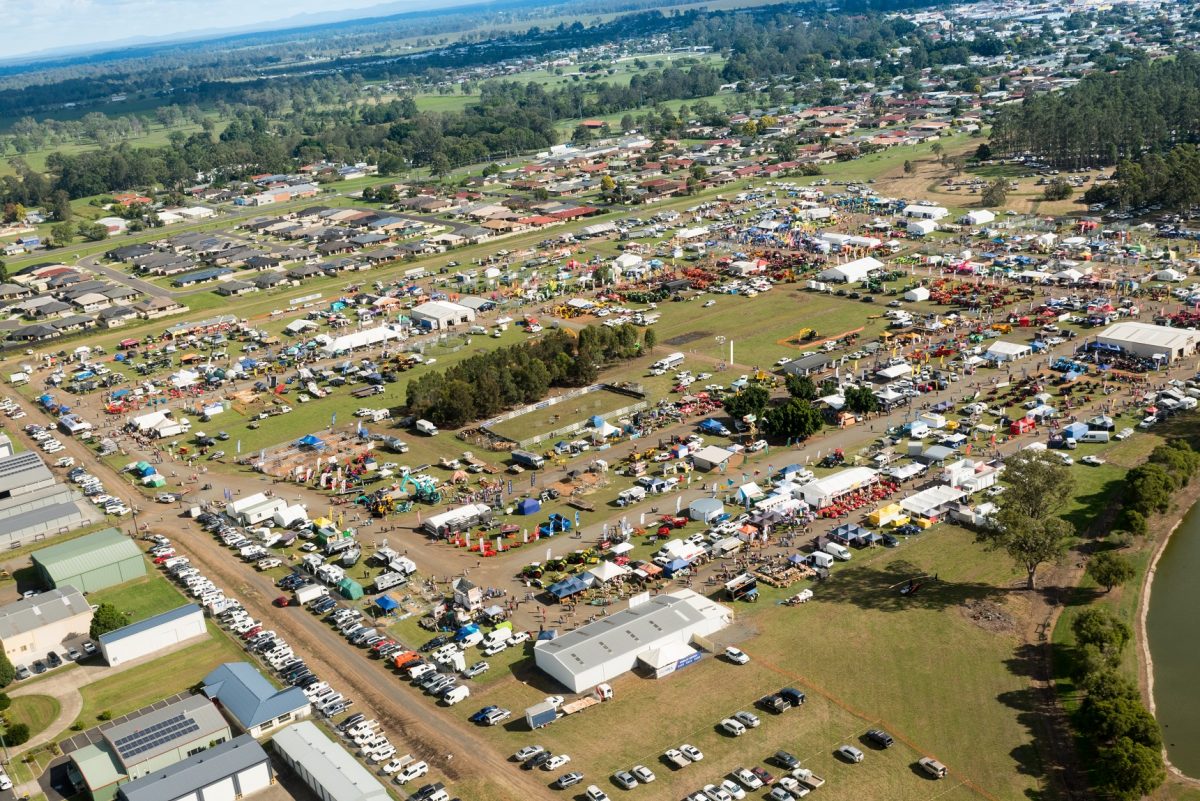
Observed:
{"x":54,"y":24}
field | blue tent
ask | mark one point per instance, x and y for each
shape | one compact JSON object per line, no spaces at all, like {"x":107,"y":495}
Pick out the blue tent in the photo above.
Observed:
{"x":528,"y":506}
{"x":387,"y":604}
{"x":311,"y":441}
{"x":566,"y":588}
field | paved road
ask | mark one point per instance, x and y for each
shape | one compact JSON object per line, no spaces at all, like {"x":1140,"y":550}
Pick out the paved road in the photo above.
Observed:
{"x":96,"y":265}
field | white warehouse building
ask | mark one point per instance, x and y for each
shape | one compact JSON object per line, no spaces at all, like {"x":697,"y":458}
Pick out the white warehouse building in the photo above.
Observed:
{"x":851,"y":271}
{"x":153,"y":634}
{"x":438,"y":315}
{"x":1150,"y":341}
{"x":649,"y":629}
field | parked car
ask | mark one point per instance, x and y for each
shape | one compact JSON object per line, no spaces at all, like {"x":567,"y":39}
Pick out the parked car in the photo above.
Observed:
{"x":528,"y":752}
{"x":849,"y":753}
{"x":557,"y":761}
{"x":736,"y":656}
{"x":748,"y":779}
{"x":934,"y":768}
{"x":643,"y":774}
{"x":568,"y":780}
{"x":625,"y":780}
{"x":880,"y":738}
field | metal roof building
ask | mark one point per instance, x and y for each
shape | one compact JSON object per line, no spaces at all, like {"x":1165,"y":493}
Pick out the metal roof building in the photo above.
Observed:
{"x":32,"y":627}
{"x":327,"y":768}
{"x":233,"y":769}
{"x":606,"y":648}
{"x":33,"y":504}
{"x":1150,"y":341}
{"x":146,"y":743}
{"x":251,"y":701}
{"x":153,"y":634}
{"x":91,"y":562}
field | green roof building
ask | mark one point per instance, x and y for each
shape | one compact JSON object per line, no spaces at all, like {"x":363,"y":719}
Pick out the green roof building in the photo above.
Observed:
{"x":92,"y":562}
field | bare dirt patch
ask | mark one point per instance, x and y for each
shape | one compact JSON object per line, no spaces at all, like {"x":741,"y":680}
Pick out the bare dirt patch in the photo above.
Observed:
{"x":989,"y":616}
{"x":690,"y":336}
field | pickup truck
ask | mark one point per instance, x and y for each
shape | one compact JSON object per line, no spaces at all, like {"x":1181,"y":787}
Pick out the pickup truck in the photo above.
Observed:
{"x":676,"y":758}
{"x":807,"y":777}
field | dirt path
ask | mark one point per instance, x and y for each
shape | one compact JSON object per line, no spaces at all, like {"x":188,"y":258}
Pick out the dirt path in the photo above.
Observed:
{"x":411,"y":719}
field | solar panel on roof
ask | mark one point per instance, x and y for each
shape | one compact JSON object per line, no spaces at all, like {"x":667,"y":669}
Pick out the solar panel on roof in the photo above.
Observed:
{"x":155,"y":735}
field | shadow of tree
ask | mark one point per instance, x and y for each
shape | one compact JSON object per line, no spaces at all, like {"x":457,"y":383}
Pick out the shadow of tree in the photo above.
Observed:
{"x":878,"y":587}
{"x":1094,"y":506}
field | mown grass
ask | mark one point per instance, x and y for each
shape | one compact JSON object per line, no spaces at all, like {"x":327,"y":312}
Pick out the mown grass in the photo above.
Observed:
{"x":142,"y":685}
{"x":141,"y":598}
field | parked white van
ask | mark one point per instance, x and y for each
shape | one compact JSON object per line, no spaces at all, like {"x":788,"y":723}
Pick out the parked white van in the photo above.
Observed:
{"x":837,"y":551}
{"x":457,"y":694}
{"x":1096,"y":436}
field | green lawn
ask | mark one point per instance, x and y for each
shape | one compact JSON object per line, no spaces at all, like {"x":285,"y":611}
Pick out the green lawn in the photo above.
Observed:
{"x":141,"y":598}
{"x":35,"y":711}
{"x":142,"y":685}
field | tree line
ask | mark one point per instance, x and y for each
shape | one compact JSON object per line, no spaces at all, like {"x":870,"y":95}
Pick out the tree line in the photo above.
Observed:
{"x":1170,"y":179}
{"x":486,"y":384}
{"x":1146,"y":107}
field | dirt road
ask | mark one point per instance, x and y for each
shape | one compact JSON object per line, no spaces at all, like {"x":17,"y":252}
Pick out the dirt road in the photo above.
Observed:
{"x":409,"y":718}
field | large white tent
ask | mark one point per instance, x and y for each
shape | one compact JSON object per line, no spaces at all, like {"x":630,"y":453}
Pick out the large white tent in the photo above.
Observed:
{"x":361,"y":339}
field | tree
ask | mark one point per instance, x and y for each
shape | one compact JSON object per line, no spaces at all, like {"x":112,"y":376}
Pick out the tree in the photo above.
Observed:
{"x":795,"y":420}
{"x":7,"y":671}
{"x":649,"y":340}
{"x":1130,"y":770}
{"x":439,"y":165}
{"x":60,"y":206}
{"x":802,"y":387}
{"x":937,"y":149}
{"x":751,"y":400}
{"x":106,"y":618}
{"x":1058,"y":189}
{"x":1027,"y":526}
{"x":909,"y":167}
{"x":861,"y":400}
{"x":1099,"y":627}
{"x":607,"y":185}
{"x":582,"y":133}
{"x":16,"y":734}
{"x":996,"y":193}
{"x":62,"y":234}
{"x":1109,"y":569}
{"x":983,"y":152}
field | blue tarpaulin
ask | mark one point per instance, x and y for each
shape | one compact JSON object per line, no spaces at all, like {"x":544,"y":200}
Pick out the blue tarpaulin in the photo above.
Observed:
{"x":311,"y":441}
{"x":387,"y":603}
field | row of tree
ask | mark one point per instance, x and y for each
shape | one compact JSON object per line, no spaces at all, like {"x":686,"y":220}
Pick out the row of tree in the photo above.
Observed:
{"x":488,"y":383}
{"x":1170,"y":179}
{"x":1149,"y":106}
{"x":1150,"y":487}
{"x":1122,"y":734}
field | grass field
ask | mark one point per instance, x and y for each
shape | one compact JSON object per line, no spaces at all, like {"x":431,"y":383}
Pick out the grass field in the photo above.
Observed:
{"x":541,"y":421}
{"x":141,"y":598}
{"x":164,"y":676}
{"x":35,"y":711}
{"x":866,"y":656}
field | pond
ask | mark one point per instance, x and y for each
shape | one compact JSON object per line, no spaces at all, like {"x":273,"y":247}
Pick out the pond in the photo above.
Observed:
{"x":1173,"y":631}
